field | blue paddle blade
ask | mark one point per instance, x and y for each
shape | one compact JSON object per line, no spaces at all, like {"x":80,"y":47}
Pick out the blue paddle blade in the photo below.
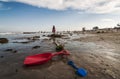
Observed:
{"x":81,"y":72}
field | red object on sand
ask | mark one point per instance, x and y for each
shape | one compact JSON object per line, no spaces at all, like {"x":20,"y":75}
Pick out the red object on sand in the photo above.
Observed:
{"x":42,"y":58}
{"x":53,"y":29}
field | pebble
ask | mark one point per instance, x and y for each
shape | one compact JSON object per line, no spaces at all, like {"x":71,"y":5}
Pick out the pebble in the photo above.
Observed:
{"x":15,"y":51}
{"x":9,"y":50}
{"x":16,"y":70}
{"x":35,"y":47}
{"x":1,"y":56}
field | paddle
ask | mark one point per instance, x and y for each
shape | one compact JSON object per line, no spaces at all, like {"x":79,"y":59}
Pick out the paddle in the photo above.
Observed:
{"x":42,"y":58}
{"x":80,"y":71}
{"x":63,"y":52}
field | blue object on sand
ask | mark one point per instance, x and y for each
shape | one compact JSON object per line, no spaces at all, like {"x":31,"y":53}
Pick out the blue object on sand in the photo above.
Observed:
{"x":80,"y":71}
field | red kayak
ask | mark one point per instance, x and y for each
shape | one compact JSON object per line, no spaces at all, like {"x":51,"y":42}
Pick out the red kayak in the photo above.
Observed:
{"x":42,"y":58}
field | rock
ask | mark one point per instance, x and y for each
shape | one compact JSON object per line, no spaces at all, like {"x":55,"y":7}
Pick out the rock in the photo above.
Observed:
{"x":36,"y":36}
{"x":59,"y":48}
{"x":45,"y":39}
{"x":71,"y":34}
{"x":16,"y":70}
{"x":25,"y":42}
{"x":28,"y":38}
{"x":4,"y":40}
{"x":15,"y":51}
{"x":55,"y":35}
{"x":1,"y":56}
{"x":9,"y":50}
{"x":35,"y":47}
{"x":107,"y":65}
{"x":29,"y":32}
{"x":43,"y":35}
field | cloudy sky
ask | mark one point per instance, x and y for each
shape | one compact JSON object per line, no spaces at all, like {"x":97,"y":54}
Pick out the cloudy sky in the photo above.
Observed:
{"x":37,"y":15}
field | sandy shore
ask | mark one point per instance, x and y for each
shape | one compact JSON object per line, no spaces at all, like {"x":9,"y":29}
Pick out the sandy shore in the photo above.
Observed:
{"x":104,"y":61}
{"x":99,"y":54}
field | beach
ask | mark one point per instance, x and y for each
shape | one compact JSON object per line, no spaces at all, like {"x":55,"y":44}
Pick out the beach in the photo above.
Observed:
{"x":99,"y":54}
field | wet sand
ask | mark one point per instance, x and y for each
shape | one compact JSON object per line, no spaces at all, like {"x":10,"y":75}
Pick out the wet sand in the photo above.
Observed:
{"x":99,"y":54}
{"x":103,"y":60}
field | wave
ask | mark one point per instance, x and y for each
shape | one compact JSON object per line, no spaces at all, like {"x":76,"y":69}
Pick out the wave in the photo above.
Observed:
{"x":8,"y":33}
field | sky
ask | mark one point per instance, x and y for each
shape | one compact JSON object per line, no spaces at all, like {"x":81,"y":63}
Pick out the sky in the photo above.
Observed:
{"x":41,"y":15}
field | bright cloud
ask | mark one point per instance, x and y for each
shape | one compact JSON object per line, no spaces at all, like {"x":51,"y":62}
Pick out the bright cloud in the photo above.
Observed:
{"x":90,"y":6}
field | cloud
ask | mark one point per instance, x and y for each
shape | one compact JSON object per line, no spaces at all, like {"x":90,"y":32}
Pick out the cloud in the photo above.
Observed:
{"x":108,"y":20}
{"x":89,"y":6}
{"x":2,"y":7}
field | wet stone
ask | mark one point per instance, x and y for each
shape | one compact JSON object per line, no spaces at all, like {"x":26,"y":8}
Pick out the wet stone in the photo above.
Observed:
{"x":35,"y":47}
{"x":56,"y":35}
{"x":25,"y":42}
{"x":36,"y":37}
{"x":9,"y":50}
{"x":4,"y":40}
{"x":107,"y":65}
{"x":43,"y":35}
{"x":1,"y":56}
{"x":59,"y":48}
{"x":16,"y":70}
{"x":15,"y":51}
